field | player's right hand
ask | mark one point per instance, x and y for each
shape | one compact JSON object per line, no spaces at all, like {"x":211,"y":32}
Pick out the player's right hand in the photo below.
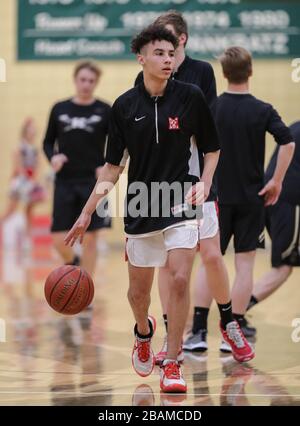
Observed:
{"x":271,"y":192}
{"x":57,"y":161}
{"x":78,"y":229}
{"x":196,"y":195}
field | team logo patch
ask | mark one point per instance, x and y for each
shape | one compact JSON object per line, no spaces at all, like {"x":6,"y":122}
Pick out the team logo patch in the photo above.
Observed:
{"x":173,"y":123}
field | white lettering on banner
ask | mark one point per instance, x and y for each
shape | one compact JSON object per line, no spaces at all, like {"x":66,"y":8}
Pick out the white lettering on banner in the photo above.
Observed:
{"x":212,"y":19}
{"x":66,"y":29}
{"x":208,"y":18}
{"x":49,"y":48}
{"x":264,"y":43}
{"x":95,"y":22}
{"x":46,"y":22}
{"x":195,"y":19}
{"x":266,"y":19}
{"x":138,"y":20}
{"x":80,"y":47}
{"x":90,"y":21}
{"x":86,"y":47}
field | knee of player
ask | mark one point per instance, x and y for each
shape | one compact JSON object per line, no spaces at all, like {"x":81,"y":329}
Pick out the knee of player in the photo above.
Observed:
{"x":179,"y":283}
{"x":212,"y":256}
{"x":135,"y":296}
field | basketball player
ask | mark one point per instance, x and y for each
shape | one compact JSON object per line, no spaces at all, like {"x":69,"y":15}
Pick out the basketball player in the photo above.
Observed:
{"x":24,"y":185}
{"x":187,"y":69}
{"x":78,"y":128}
{"x":201,"y":74}
{"x":283,"y":225}
{"x":242,"y":122}
{"x":160,"y":124}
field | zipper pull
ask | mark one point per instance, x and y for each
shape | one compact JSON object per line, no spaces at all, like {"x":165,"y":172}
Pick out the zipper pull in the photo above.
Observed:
{"x":156,"y":119}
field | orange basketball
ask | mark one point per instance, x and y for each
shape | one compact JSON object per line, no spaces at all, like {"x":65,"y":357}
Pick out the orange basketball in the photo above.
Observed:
{"x":69,"y":289}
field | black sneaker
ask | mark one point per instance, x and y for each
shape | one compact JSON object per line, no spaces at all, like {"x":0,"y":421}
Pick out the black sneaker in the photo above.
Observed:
{"x":196,"y":342}
{"x":247,"y":329}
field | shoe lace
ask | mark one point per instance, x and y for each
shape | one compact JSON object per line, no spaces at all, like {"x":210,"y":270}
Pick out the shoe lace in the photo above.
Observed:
{"x":172,"y":370}
{"x":234,"y":333}
{"x":143,"y":348}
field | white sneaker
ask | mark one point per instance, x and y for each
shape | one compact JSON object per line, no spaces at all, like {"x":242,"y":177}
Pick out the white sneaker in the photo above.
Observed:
{"x":225,"y":347}
{"x":143,"y":359}
{"x":233,"y":335}
{"x":171,"y":379}
{"x":196,"y":342}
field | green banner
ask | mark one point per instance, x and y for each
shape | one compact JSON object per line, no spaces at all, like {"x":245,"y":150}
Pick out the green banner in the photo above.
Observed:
{"x":102,"y":29}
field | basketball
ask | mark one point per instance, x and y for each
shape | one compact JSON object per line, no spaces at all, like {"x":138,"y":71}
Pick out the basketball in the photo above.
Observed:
{"x":69,"y":289}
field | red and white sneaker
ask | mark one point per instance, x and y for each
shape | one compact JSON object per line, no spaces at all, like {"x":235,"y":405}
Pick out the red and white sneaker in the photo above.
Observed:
{"x":171,"y":379}
{"x":143,"y":359}
{"x":162,"y":354}
{"x":233,"y":335}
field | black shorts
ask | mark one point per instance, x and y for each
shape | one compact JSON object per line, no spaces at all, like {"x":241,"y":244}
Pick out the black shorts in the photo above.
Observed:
{"x":245,"y":222}
{"x":283,"y":225}
{"x":69,"y":200}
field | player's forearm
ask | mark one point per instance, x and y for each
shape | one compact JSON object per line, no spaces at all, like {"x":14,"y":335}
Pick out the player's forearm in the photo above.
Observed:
{"x":210,"y":164}
{"x":108,"y":177}
{"x":48,"y":147}
{"x":284,"y":158}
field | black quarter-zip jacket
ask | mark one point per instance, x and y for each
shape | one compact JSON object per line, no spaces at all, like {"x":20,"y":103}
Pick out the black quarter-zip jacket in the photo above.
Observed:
{"x":164,"y":138}
{"x":201,"y":74}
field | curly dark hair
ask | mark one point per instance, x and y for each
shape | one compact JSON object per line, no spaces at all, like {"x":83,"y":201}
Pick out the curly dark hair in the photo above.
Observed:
{"x":150,"y":34}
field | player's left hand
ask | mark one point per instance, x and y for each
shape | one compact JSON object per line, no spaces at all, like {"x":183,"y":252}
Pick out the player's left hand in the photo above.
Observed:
{"x":271,"y":192}
{"x":198,"y":193}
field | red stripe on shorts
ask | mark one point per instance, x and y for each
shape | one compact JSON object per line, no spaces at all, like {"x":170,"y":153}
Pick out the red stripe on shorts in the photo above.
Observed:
{"x":126,"y":255}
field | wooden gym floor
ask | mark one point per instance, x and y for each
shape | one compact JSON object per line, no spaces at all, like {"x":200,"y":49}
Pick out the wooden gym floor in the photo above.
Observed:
{"x":49,"y":359}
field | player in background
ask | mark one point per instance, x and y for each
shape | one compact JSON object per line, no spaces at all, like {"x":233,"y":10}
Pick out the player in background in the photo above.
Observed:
{"x":74,"y":145}
{"x":283,"y":225}
{"x":24,"y":185}
{"x":242,"y":122}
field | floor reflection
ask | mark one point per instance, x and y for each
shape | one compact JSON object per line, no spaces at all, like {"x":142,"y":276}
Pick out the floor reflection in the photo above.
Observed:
{"x":85,"y":359}
{"x":78,"y":366}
